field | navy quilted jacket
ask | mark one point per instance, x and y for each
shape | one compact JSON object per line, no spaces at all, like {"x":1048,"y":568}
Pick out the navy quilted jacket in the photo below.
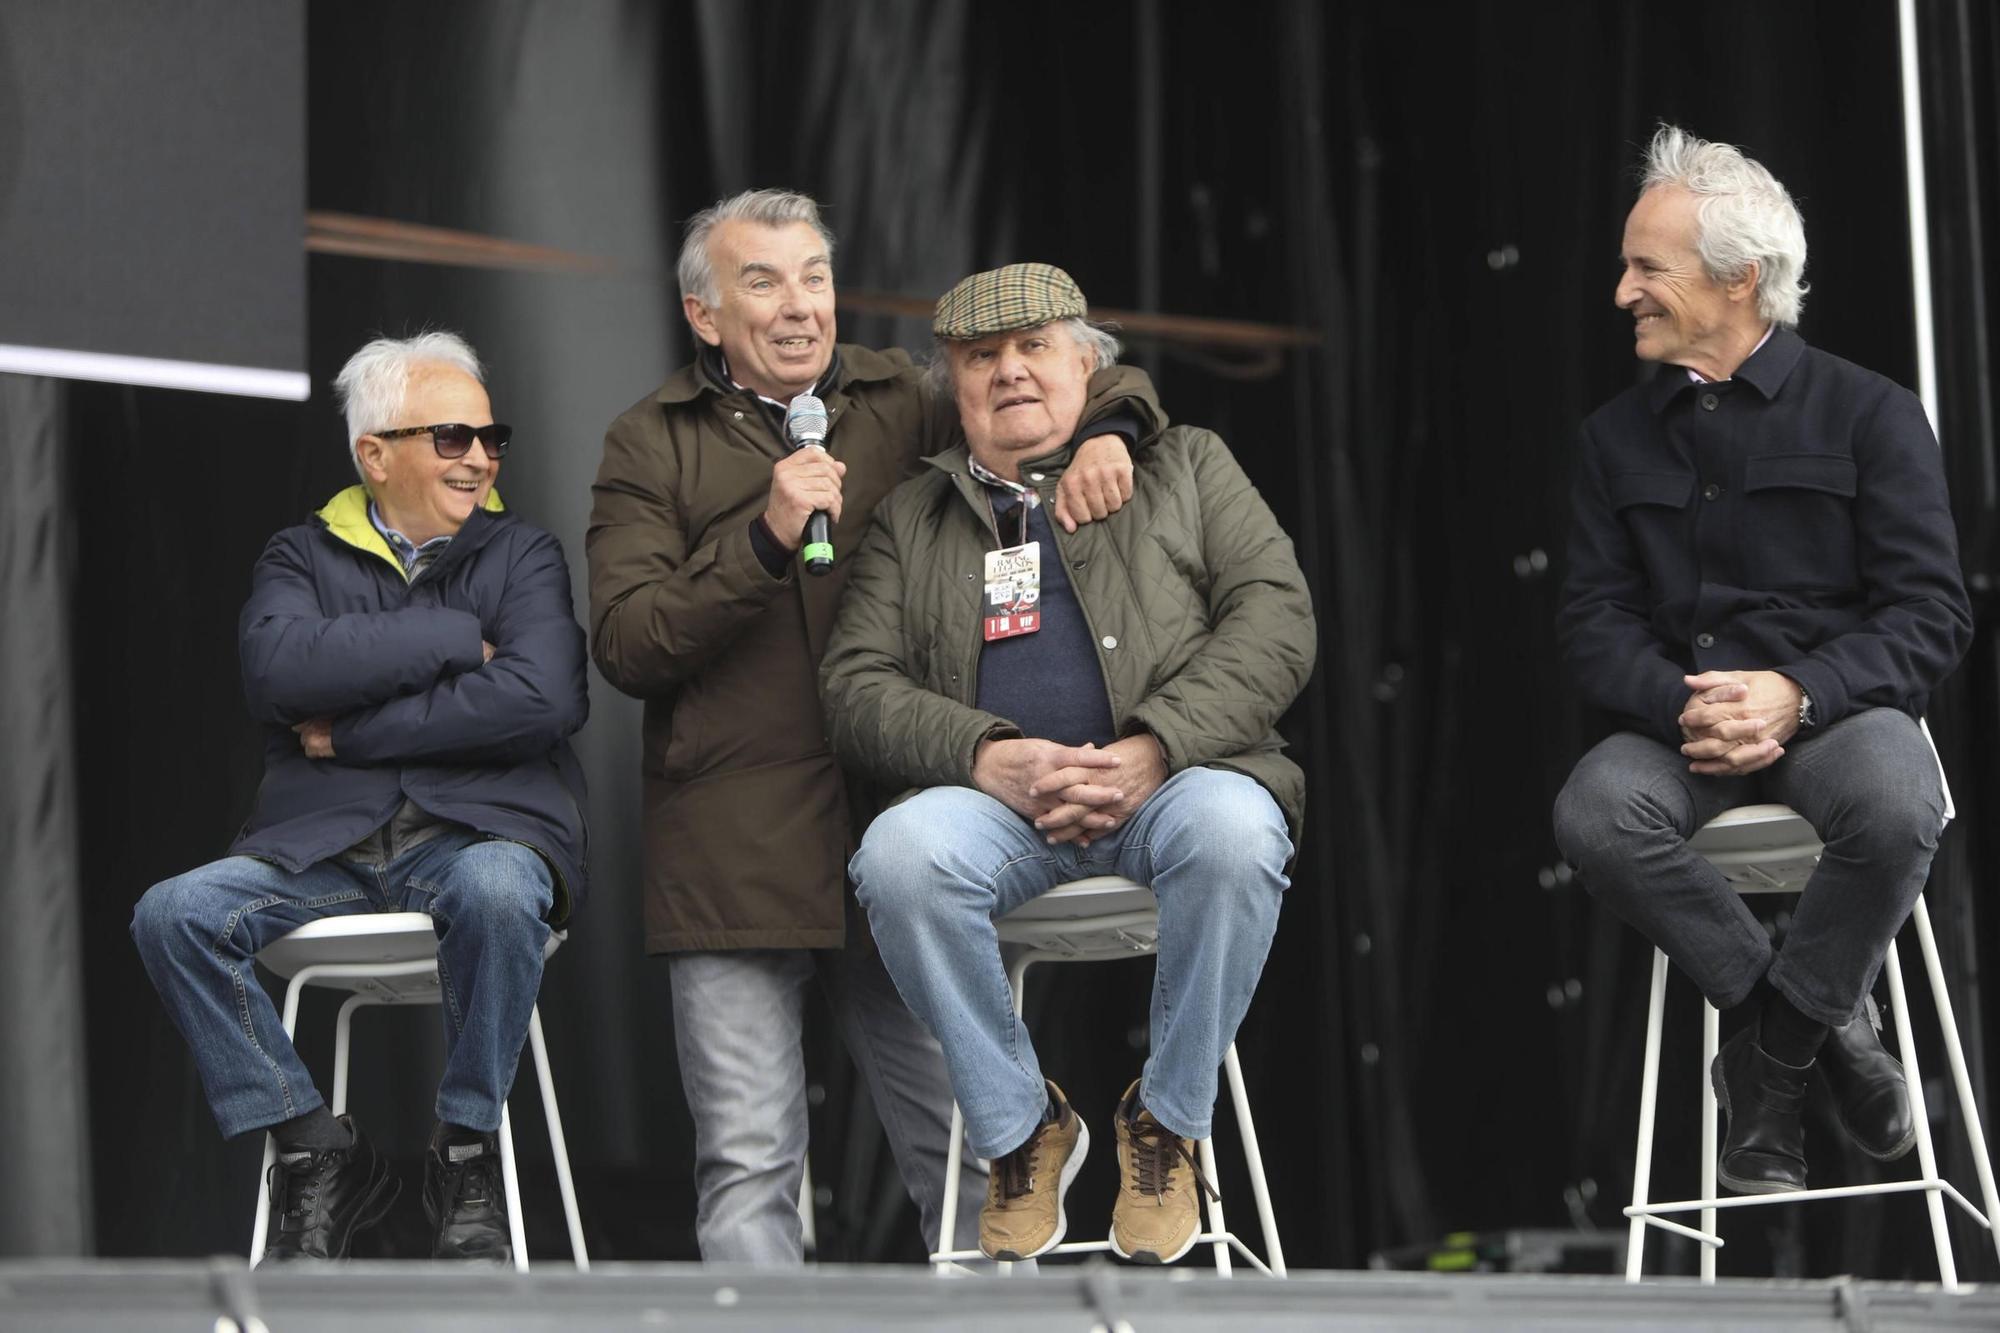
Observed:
{"x":333,"y":628}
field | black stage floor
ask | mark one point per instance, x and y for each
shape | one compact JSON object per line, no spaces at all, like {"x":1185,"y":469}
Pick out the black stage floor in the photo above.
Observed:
{"x":161,"y":1297}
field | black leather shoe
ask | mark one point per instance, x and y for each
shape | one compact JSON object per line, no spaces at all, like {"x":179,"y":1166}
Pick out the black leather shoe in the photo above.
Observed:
{"x":1764,"y":1145}
{"x":319,"y":1200}
{"x":465,"y":1197}
{"x":1869,"y":1089}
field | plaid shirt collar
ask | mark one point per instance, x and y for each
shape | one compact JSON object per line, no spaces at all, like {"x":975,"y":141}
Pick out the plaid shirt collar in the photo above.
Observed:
{"x":407,"y":551}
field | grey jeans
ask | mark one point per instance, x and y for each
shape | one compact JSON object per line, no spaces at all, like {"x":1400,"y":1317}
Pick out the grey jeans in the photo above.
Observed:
{"x":1868,"y":785}
{"x":738,"y":1019}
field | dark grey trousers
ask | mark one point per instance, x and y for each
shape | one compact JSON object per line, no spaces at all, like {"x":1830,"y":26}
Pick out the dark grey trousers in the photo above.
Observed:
{"x":1868,"y":785}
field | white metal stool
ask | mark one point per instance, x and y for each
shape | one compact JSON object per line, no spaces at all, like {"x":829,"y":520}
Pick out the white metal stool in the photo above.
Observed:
{"x":391,"y":958}
{"x":1772,"y":849}
{"x":1090,"y":921}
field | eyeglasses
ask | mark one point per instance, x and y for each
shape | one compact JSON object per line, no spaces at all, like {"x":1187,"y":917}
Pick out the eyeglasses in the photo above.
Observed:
{"x":453,"y":439}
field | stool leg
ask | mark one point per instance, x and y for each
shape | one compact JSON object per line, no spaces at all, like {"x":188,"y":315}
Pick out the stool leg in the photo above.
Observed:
{"x":260,"y":1229}
{"x":1649,"y":1086}
{"x":558,"y":1144}
{"x":343,"y":1028}
{"x":1217,"y":1224}
{"x":1926,"y":1150}
{"x":1710,"y":1038}
{"x":808,"y":1227}
{"x":1260,"y":1188}
{"x":954,"y":1155}
{"x":1954,"y":1051}
{"x":515,"y":1229}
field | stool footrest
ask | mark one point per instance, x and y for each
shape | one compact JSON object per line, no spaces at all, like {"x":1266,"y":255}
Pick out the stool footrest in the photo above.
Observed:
{"x":1652,"y":1211}
{"x":956,"y":1258}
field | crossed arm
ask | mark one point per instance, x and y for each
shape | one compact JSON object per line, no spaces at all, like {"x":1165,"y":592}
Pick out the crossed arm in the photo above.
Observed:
{"x":417,"y":684}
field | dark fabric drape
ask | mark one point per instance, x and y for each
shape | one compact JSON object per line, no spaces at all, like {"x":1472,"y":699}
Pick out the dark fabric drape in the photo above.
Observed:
{"x":46,"y":1179}
{"x":1447,"y":1033}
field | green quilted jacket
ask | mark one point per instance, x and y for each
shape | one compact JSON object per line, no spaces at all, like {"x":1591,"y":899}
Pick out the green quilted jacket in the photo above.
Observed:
{"x":1202,"y":622}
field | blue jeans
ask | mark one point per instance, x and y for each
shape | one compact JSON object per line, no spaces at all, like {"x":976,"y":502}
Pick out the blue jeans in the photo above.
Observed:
{"x":936,"y":871}
{"x":1868,"y":784}
{"x":198,"y":933}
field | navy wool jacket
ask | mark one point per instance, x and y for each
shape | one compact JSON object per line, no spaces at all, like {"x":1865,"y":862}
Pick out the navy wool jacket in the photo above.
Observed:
{"x":334,"y":628}
{"x":1793,"y":519}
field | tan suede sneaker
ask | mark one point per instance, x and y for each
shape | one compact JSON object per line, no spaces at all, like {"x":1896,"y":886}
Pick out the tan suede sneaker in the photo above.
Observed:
{"x":1023,"y":1216}
{"x":1158,"y":1212}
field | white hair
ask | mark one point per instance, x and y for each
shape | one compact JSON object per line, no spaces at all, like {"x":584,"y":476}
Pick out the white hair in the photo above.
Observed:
{"x":371,"y":387}
{"x":772,"y":208}
{"x":1744,"y":217}
{"x":1097,"y":339}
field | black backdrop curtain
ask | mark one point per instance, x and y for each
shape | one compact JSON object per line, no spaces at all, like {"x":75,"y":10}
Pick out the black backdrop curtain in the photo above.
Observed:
{"x":1447,"y":1036}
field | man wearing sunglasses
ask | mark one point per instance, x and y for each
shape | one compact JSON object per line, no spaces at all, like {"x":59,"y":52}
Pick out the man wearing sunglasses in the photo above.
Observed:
{"x":413,"y":660}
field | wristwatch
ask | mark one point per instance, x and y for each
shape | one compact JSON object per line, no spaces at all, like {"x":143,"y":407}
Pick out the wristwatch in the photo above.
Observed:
{"x":1806,"y":718}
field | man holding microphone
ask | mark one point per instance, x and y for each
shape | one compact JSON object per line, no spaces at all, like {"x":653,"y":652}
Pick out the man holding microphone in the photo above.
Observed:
{"x":699,"y":514}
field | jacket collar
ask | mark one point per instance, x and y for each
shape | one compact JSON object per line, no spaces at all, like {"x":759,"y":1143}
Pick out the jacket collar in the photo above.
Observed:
{"x":345,"y":517}
{"x":1766,"y":371}
{"x":850,"y":364}
{"x":957,"y":462}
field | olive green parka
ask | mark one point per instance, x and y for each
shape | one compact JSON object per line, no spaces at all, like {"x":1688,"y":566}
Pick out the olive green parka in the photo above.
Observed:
{"x":1200,"y":615}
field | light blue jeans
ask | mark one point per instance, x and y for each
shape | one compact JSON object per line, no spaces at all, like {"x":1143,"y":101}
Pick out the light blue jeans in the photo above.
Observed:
{"x":936,"y":871}
{"x":198,"y":932}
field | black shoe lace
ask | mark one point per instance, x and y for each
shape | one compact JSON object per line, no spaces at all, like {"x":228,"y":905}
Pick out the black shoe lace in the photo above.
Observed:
{"x":475,"y":1183}
{"x":1155,"y":1149}
{"x":1015,"y":1172}
{"x":297,"y":1186}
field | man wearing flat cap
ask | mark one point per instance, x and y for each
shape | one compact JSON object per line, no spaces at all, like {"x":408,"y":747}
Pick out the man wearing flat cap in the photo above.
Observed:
{"x":697,"y":607}
{"x":1062,"y":705}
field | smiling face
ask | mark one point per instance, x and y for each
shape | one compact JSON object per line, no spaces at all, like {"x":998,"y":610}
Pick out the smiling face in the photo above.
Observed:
{"x":1020,"y":393}
{"x":420,"y":494}
{"x":1680,"y":313}
{"x":774,"y":320}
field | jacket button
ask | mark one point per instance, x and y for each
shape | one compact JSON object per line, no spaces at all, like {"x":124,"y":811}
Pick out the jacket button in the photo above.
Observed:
{"x":1704,"y":640}
{"x":1708,"y":402}
{"x":1036,"y":476}
{"x":1079,"y":564}
{"x":1110,"y":641}
{"x":739,"y":416}
{"x":1710,"y":491}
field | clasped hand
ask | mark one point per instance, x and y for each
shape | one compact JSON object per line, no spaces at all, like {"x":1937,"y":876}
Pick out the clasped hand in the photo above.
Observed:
{"x":1071,"y":793}
{"x":1737,"y":722}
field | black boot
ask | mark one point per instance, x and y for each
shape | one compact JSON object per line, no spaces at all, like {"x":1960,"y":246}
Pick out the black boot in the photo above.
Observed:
{"x":1764,"y":1145}
{"x":465,"y":1197}
{"x":320,"y":1199}
{"x":1869,"y":1088}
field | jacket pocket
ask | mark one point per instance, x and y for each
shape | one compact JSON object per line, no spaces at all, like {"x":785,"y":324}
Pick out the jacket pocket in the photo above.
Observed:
{"x":1672,"y":489}
{"x":1809,"y":472}
{"x":1798,"y":523}
{"x":1652,"y":507}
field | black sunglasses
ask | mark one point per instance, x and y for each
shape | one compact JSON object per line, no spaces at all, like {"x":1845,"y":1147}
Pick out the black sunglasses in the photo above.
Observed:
{"x":453,"y":439}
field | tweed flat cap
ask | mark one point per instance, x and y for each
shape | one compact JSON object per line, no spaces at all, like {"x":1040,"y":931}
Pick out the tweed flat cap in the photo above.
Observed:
{"x":1019,"y":296}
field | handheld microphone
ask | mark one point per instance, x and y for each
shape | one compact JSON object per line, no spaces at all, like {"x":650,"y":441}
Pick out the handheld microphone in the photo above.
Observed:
{"x":805,"y":428}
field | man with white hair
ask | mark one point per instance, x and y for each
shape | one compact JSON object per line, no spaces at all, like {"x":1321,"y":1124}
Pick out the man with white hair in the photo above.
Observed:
{"x":697,"y":607}
{"x":1763,"y":590}
{"x":412,"y":658}
{"x":1063,"y":707}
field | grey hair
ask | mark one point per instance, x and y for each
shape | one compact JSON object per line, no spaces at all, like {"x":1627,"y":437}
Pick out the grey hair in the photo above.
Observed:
{"x":772,"y":208}
{"x":1744,"y":217}
{"x":371,"y":387}
{"x":1095,"y":338}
